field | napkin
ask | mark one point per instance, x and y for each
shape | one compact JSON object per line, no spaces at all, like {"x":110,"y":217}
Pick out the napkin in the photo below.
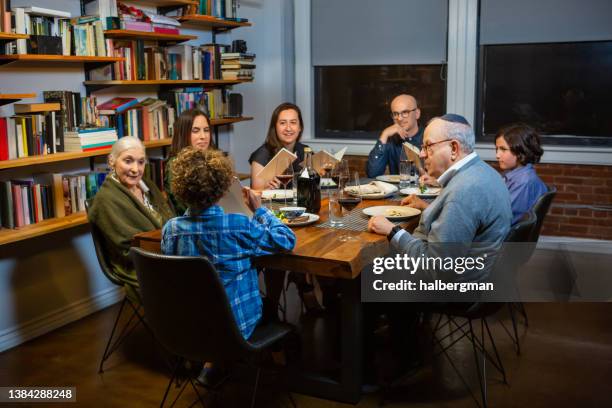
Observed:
{"x":373,"y":187}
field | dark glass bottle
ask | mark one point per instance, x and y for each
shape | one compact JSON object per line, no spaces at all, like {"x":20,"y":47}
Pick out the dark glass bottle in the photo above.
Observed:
{"x":309,"y":186}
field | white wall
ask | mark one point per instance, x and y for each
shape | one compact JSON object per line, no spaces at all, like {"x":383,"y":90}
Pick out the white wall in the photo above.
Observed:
{"x":52,"y":280}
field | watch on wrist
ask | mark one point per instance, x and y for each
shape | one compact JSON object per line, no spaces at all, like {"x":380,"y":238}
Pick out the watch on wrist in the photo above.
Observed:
{"x":393,"y":231}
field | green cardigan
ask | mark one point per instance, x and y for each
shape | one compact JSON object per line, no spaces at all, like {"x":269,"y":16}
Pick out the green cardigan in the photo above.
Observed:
{"x":120,"y":216}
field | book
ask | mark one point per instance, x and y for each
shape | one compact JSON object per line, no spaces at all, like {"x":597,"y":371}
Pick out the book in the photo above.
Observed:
{"x":413,"y":154}
{"x":323,"y":156}
{"x":282,"y":159}
{"x":116,"y":105}
{"x":232,"y":201}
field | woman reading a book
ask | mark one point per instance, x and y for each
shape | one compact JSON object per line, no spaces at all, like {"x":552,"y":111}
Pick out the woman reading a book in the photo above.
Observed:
{"x":127,"y":204}
{"x":192,"y":128}
{"x":285,"y":131}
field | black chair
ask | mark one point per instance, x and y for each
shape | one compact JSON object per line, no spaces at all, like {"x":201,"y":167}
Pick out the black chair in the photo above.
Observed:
{"x":481,"y":311}
{"x":189,"y":313}
{"x":540,"y":208}
{"x":132,"y":300}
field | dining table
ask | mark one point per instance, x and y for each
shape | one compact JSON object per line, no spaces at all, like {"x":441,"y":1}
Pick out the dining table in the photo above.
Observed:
{"x":319,"y":251}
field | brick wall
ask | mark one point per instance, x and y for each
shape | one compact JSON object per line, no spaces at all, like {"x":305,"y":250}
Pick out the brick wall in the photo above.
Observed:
{"x":578,"y":187}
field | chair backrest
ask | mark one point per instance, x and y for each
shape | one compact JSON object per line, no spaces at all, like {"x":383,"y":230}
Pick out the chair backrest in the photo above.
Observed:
{"x":540,"y":208}
{"x":187,"y":308}
{"x":101,"y":254}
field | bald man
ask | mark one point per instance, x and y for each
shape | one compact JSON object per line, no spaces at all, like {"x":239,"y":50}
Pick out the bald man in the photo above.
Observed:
{"x":405,"y":128}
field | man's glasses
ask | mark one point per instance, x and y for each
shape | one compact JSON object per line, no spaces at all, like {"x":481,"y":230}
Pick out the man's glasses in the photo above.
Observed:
{"x":402,"y":114}
{"x":427,"y":147}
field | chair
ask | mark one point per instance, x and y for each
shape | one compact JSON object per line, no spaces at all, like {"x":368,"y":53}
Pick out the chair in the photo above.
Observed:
{"x":189,"y":313}
{"x":132,"y":301}
{"x":481,"y":311}
{"x":540,"y":208}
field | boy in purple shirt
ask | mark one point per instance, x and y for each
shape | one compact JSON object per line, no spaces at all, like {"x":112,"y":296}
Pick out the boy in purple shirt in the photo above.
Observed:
{"x":517,"y":149}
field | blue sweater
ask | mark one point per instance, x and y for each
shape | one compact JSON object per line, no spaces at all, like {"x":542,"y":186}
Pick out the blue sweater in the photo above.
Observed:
{"x":389,"y":154}
{"x":473,"y":207}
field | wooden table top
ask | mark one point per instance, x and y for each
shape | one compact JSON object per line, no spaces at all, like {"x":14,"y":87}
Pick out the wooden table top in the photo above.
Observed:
{"x":318,"y":250}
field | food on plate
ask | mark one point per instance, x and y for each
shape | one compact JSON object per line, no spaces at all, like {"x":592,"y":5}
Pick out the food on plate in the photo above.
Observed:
{"x":297,"y":220}
{"x":394,"y":212}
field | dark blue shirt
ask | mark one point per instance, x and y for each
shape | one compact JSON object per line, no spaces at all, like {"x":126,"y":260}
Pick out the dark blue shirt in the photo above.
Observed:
{"x":525,"y":188}
{"x":389,"y":154}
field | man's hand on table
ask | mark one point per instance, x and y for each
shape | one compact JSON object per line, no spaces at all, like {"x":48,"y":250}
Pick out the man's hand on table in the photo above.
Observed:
{"x":380,"y":225}
{"x":415,"y":202}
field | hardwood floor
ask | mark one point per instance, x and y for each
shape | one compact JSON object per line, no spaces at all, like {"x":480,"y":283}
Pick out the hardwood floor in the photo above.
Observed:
{"x":566,"y":361}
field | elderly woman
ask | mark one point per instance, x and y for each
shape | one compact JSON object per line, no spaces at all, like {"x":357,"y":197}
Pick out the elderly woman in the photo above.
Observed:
{"x":192,"y":128}
{"x":127,"y":204}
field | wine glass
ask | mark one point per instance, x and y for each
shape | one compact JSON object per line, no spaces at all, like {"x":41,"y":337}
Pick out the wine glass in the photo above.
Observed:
{"x":350,"y":201}
{"x":284,"y":173}
{"x":340,"y":174}
{"x":327,"y":164}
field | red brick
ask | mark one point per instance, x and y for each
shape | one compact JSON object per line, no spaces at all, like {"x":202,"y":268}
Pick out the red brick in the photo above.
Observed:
{"x":547,"y":179}
{"x":545,"y":171}
{"x":555,"y":219}
{"x":585,"y":213}
{"x":556,"y":210}
{"x":579,"y":189}
{"x":568,"y":180}
{"x":595,"y":199}
{"x":563,"y":197}
{"x":592,"y":182}
{"x":602,"y":190}
{"x":601,"y":214}
{"x":577,"y":229}
{"x":601,"y":231}
{"x":571,"y":211}
{"x":582,"y":173}
{"x":582,"y":221}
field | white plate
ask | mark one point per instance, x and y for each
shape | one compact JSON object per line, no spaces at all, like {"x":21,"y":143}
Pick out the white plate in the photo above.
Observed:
{"x":389,"y":178}
{"x":430,"y":192}
{"x":277,"y":195}
{"x":327,"y":183}
{"x":392,"y":212}
{"x":376,"y":196}
{"x":312,"y":218}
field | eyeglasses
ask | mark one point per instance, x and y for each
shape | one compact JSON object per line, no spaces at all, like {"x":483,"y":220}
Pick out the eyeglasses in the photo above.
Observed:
{"x":402,"y":114}
{"x":427,"y":147}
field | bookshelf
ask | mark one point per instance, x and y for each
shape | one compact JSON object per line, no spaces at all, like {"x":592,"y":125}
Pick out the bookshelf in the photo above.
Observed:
{"x":5,"y":99}
{"x":92,"y":86}
{"x":147,"y":35}
{"x":212,"y":22}
{"x":44,"y":227}
{"x":6,"y":37}
{"x":7,"y":59}
{"x":166,"y":3}
{"x":67,"y":156}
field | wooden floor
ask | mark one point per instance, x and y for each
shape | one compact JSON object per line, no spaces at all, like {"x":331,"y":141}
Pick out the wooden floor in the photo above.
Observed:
{"x":566,"y":361}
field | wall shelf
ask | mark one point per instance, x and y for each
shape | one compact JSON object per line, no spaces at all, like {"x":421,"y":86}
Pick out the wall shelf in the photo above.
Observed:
{"x":148,"y":35}
{"x":5,"y":99}
{"x":210,"y":21}
{"x":66,"y":156}
{"x":8,"y":236}
{"x":166,"y":3}
{"x":7,"y":37}
{"x":97,"y":85}
{"x":7,"y":59}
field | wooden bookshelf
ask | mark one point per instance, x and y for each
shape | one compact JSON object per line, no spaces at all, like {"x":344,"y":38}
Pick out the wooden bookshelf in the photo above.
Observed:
{"x":8,"y":236}
{"x":21,"y":108}
{"x":97,"y":85}
{"x":148,"y":35}
{"x":210,"y":21}
{"x":6,"y":59}
{"x":5,"y":99}
{"x":6,"y":37}
{"x":66,"y":156}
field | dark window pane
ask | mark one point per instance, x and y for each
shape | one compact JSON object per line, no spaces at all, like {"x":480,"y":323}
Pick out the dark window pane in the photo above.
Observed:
{"x":559,"y":88}
{"x":353,"y":101}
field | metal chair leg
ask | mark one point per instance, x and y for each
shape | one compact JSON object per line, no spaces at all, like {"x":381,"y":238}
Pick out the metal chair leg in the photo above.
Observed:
{"x":106,"y":354}
{"x":482,"y":379}
{"x":515,"y":329}
{"x":255,"y":389}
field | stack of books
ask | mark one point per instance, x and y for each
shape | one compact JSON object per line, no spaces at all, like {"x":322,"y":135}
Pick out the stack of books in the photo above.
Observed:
{"x":85,"y":140}
{"x":49,"y":31}
{"x":236,"y":65}
{"x":150,"y":119}
{"x":88,"y":33}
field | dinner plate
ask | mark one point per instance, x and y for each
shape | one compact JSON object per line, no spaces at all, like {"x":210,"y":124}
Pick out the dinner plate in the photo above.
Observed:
{"x":389,"y":178}
{"x":312,"y":218}
{"x":392,"y":212}
{"x":327,"y":183}
{"x":429,"y":192}
{"x":376,"y":196}
{"x":277,"y":195}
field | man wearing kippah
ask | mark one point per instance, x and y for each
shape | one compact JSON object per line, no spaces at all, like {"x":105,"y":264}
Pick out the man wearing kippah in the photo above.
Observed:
{"x":473,"y":207}
{"x":388,"y":150}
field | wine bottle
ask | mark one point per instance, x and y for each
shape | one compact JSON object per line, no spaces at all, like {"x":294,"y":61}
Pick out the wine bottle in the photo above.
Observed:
{"x":309,"y":186}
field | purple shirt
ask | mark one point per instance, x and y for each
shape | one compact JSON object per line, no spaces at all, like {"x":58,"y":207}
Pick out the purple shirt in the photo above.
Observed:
{"x":525,"y":188}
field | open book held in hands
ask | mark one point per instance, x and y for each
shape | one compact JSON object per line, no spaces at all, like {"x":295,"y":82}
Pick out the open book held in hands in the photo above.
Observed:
{"x":412,"y":153}
{"x":232,"y":201}
{"x":323,"y":156}
{"x":284,"y":158}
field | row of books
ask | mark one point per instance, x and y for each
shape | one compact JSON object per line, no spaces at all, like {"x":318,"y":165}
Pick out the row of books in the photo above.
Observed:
{"x":44,"y":196}
{"x":225,"y":9}
{"x":29,"y":135}
{"x":49,"y":31}
{"x":76,"y":111}
{"x":149,"y":119}
{"x":214,"y":102}
{"x":146,"y":62}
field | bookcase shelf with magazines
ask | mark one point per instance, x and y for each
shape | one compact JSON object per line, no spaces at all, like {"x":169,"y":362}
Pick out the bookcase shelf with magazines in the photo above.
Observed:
{"x":149,"y":35}
{"x":212,"y":22}
{"x":89,"y":61}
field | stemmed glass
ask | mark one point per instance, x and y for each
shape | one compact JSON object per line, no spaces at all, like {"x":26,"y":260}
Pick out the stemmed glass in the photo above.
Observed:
{"x":284,"y":173}
{"x":325,"y":171}
{"x":340,"y":174}
{"x":349,"y":202}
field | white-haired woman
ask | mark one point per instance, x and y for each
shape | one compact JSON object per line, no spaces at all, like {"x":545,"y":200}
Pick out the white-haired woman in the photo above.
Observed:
{"x":127,"y":204}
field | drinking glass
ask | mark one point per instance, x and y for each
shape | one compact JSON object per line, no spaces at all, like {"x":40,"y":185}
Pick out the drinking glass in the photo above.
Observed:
{"x":340,"y":174}
{"x":348,"y":202}
{"x":404,"y":174}
{"x":284,"y":173}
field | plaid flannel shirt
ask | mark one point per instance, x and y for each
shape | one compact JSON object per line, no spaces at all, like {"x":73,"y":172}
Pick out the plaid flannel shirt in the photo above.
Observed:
{"x":229,"y":241}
